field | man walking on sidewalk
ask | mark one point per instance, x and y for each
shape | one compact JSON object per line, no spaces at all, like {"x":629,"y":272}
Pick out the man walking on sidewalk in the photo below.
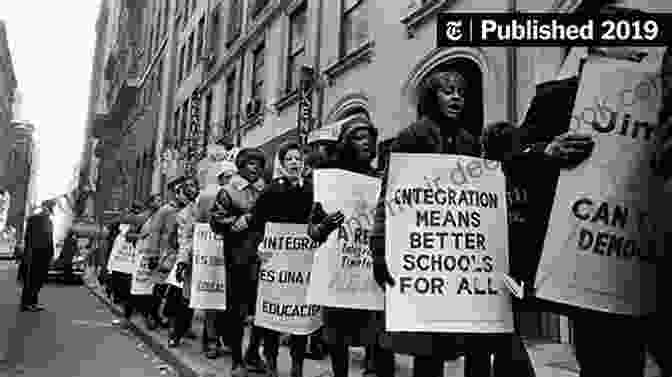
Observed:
{"x":39,"y":251}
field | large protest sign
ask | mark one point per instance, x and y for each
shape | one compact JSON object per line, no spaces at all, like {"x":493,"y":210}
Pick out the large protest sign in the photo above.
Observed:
{"x":208,"y":281}
{"x":601,"y":247}
{"x":143,"y":275}
{"x":446,"y":245}
{"x":343,"y":267}
{"x":122,"y":256}
{"x":284,"y":279}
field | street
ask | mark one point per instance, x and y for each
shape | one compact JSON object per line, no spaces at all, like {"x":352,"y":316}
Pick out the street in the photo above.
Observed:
{"x":74,"y":336}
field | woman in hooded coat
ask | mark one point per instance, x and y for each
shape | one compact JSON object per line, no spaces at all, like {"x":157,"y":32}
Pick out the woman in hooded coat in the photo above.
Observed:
{"x":288,"y":199}
{"x":356,"y":149}
{"x":442,"y":129}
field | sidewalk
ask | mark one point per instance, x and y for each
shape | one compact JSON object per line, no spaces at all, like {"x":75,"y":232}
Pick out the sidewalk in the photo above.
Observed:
{"x":549,"y":359}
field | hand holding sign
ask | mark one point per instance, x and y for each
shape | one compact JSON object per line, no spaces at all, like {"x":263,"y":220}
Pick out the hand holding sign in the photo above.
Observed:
{"x":570,"y":148}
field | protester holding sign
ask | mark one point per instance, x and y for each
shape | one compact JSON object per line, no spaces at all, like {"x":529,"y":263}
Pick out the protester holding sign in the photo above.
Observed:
{"x":287,"y":200}
{"x":185,"y":229}
{"x":356,"y":149}
{"x":231,"y":214}
{"x":443,"y":99}
{"x":548,"y":142}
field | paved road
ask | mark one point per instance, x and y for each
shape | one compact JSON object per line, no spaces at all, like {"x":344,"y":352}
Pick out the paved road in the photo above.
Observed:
{"x":73,"y":337}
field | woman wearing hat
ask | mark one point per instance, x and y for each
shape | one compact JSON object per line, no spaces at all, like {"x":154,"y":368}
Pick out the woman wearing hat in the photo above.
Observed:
{"x":289,"y":200}
{"x":442,"y":129}
{"x":231,"y":214}
{"x":355,"y":150}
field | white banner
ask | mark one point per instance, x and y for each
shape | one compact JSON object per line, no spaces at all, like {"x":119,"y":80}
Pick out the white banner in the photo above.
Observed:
{"x":122,"y":256}
{"x":601,"y":248}
{"x":447,"y":245}
{"x":144,"y":277}
{"x":284,"y":279}
{"x":208,"y":281}
{"x":172,"y":278}
{"x":343,"y":268}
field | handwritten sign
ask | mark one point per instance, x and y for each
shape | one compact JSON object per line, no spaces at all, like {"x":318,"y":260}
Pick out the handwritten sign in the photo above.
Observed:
{"x":447,"y":246}
{"x":208,"y":283}
{"x":343,"y":268}
{"x":602,"y":249}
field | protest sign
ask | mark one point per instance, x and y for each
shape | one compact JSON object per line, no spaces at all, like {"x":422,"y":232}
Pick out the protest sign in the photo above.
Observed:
{"x":122,"y":256}
{"x":284,"y":279}
{"x":208,"y":282}
{"x":447,"y":245}
{"x":601,"y":247}
{"x":342,"y":273}
{"x":172,"y":277}
{"x":143,"y":276}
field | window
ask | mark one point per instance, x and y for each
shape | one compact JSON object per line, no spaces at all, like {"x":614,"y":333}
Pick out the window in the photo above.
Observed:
{"x":150,"y":46}
{"x":354,"y":25}
{"x":213,"y":34}
{"x":201,"y":36}
{"x":190,"y":55}
{"x":186,"y":11}
{"x":296,"y":56}
{"x":206,"y":118}
{"x":193,"y":6}
{"x":257,"y":7}
{"x":176,"y":125}
{"x":229,"y":103}
{"x":180,"y":63}
{"x":166,"y":9}
{"x":185,"y":123}
{"x":258,"y":72}
{"x":235,"y":20}
{"x":159,"y":77}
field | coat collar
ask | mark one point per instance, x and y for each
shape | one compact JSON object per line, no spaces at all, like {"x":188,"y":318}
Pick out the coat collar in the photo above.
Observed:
{"x":239,"y":183}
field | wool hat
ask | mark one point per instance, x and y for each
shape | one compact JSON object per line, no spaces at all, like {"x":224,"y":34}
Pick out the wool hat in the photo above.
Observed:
{"x":224,"y":167}
{"x":354,"y":123}
{"x":247,"y":154}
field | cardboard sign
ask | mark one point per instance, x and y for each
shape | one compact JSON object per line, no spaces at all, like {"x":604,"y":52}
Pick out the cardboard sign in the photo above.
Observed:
{"x":447,"y":245}
{"x":122,"y":256}
{"x":208,"y":282}
{"x":143,"y":276}
{"x":283,"y":281}
{"x":343,"y":268}
{"x":601,"y":248}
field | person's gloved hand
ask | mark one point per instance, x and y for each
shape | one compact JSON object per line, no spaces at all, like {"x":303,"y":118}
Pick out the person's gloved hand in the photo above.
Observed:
{"x":381,"y":274}
{"x":570,"y":149}
{"x":264,"y":256}
{"x":241,"y":224}
{"x":331,"y":222}
{"x":153,"y":263}
{"x":180,"y":271}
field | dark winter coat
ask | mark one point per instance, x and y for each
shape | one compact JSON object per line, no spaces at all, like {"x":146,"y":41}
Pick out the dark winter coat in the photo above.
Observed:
{"x":283,"y":202}
{"x":423,"y":136}
{"x":39,"y":245}
{"x":353,"y":327}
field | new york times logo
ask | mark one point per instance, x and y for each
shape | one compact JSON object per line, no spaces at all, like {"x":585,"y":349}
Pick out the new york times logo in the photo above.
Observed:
{"x":551,"y":29}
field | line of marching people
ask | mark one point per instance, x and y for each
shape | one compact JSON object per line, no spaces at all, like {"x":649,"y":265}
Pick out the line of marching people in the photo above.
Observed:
{"x":241,"y":203}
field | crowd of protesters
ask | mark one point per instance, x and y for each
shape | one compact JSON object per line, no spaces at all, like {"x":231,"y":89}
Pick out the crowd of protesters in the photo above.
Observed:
{"x":240,"y":201}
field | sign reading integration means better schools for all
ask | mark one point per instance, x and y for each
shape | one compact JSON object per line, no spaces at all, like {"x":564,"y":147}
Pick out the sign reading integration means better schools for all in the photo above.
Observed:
{"x":343,"y":268}
{"x":446,"y":245}
{"x":601,"y":247}
{"x":208,"y":281}
{"x":284,"y":279}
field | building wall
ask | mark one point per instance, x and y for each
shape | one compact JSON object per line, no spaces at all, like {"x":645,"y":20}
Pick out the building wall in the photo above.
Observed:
{"x":7,"y":87}
{"x":20,"y":174}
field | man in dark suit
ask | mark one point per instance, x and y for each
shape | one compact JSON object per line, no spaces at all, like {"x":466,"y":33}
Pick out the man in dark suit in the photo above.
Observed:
{"x":39,"y":251}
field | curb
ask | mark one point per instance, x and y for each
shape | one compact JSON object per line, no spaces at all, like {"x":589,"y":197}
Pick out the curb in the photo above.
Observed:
{"x":182,"y":369}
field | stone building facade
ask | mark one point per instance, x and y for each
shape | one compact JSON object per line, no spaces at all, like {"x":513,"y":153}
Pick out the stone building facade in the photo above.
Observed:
{"x":8,"y":85}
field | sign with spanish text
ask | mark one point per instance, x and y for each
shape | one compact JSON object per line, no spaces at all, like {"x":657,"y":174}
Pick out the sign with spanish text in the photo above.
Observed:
{"x":602,"y":246}
{"x":208,"y":280}
{"x":283,"y":281}
{"x":122,"y":256}
{"x":144,"y":276}
{"x":342,"y":273}
{"x":447,"y":245}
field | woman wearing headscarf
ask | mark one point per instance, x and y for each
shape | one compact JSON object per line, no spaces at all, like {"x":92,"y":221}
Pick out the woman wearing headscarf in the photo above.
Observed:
{"x":442,"y":129}
{"x":356,"y":149}
{"x":230,"y":217}
{"x":289,"y":200}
